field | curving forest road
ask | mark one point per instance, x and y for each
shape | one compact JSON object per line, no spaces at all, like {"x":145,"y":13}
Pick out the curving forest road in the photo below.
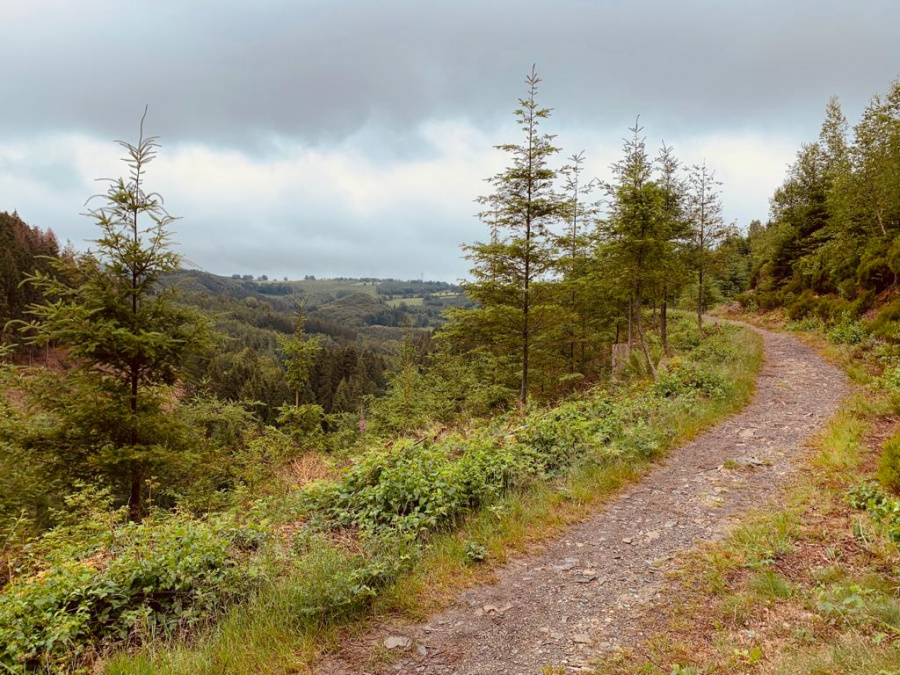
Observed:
{"x":584,"y":592}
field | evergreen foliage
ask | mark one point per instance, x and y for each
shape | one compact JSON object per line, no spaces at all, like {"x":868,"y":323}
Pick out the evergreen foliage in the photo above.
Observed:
{"x":516,"y":310}
{"x":126,"y":338}
{"x":831,"y":244}
{"x":23,"y":250}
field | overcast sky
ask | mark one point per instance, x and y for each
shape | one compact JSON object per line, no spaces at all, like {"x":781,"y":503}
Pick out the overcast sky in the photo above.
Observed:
{"x":350,"y":137}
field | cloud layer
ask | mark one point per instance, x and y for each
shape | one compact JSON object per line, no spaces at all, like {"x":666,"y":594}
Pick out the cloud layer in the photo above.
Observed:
{"x":351,"y":137}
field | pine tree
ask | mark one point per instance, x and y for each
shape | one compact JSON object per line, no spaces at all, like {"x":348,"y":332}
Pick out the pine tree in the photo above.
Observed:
{"x":707,"y":229}
{"x":675,"y":232}
{"x":124,"y":332}
{"x":300,"y":353}
{"x":507,"y":272}
{"x":574,"y":264}
{"x":634,"y":233}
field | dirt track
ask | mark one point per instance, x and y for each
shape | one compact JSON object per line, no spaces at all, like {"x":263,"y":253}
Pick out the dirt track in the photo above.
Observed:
{"x":584,"y":593}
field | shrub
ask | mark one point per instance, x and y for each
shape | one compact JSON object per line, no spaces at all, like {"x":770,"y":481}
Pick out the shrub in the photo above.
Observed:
{"x":809,"y":324}
{"x":801,"y":306}
{"x":327,"y":583}
{"x":887,"y":323}
{"x":410,"y":488}
{"x":305,"y":424}
{"x":133,"y":580}
{"x":847,"y":331}
{"x":889,"y":465}
{"x":890,"y":381}
{"x":882,"y":508}
{"x":874,"y":273}
{"x":681,"y":378}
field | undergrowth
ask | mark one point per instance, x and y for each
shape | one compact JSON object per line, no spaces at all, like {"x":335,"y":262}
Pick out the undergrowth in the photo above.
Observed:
{"x":269,"y":585}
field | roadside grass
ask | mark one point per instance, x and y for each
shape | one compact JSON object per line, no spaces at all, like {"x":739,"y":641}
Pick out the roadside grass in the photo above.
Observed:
{"x":523,"y":519}
{"x":807,"y":587}
{"x":277,"y":631}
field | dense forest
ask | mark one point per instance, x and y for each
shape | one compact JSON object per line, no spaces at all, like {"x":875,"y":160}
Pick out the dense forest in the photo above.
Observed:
{"x":160,"y":428}
{"x":23,"y":250}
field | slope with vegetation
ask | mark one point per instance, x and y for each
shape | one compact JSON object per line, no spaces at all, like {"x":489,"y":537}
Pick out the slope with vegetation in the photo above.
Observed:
{"x":807,"y":585}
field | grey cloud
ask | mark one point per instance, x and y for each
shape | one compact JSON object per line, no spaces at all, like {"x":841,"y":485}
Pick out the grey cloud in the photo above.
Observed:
{"x":236,"y":73}
{"x":270,"y":78}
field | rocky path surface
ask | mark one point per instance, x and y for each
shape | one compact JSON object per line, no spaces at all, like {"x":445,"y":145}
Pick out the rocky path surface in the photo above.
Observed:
{"x":584,"y":593}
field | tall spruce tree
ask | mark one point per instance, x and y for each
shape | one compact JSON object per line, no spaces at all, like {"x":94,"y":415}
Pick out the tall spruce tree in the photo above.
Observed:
{"x":300,"y":353}
{"x":125,"y":335}
{"x":674,"y":231}
{"x":707,"y":228}
{"x":508,"y":271}
{"x":574,"y":263}
{"x":635,"y":240}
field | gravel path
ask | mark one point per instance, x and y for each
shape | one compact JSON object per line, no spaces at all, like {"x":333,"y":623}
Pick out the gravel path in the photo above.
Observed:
{"x":584,"y":593}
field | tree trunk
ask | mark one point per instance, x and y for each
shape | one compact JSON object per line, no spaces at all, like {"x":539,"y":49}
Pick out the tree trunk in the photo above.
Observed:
{"x":573,"y":336}
{"x":643,"y":340}
{"x":664,"y":325}
{"x":620,"y":357}
{"x":523,"y":394}
{"x":631,"y":322}
{"x":135,"y":500}
{"x":700,"y":301}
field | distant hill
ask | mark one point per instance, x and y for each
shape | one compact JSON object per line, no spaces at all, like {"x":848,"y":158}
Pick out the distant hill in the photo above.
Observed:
{"x":356,"y":309}
{"x":343,"y":309}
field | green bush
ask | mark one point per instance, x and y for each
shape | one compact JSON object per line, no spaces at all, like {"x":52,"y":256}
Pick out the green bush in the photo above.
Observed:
{"x":410,"y":488}
{"x":329,"y":583}
{"x":889,"y":465}
{"x":809,"y":324}
{"x":882,"y":508}
{"x":681,"y":378}
{"x":886,"y":324}
{"x":847,"y":331}
{"x":802,"y":306}
{"x":101,"y":582}
{"x":875,"y":273}
{"x":890,"y":382}
{"x":305,"y":424}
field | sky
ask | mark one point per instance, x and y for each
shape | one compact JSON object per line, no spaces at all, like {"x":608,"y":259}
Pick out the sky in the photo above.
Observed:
{"x":352,"y":137}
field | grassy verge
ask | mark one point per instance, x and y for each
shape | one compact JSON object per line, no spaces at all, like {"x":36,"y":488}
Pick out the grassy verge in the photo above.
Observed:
{"x":270,"y":585}
{"x":809,"y":587}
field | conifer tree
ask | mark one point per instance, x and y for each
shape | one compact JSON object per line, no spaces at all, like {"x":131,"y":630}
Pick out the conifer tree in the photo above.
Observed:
{"x":514,"y":306}
{"x":124,"y":332}
{"x":300,"y":353}
{"x":634,"y":232}
{"x":574,"y":245}
{"x":707,"y":229}
{"x":675,"y":232}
